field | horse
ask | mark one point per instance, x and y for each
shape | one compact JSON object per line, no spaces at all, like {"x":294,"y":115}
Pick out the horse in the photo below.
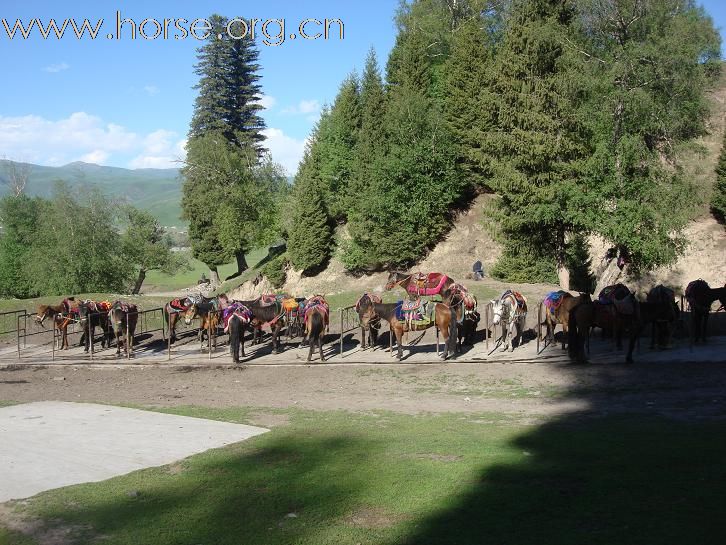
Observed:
{"x":317,"y":313}
{"x":700,"y":297}
{"x":91,"y":315}
{"x":443,"y":317}
{"x":266,"y":310}
{"x":122,"y":318}
{"x":62,"y":314}
{"x":558,"y":305}
{"x":511,"y":311}
{"x":660,"y":310}
{"x":173,"y":310}
{"x":236,"y":317}
{"x":208,"y":315}
{"x":417,"y":284}
{"x":468,"y":318}
{"x":366,"y":323}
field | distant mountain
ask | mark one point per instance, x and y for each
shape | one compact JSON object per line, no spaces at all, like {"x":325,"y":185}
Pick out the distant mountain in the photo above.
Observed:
{"x":154,"y":189}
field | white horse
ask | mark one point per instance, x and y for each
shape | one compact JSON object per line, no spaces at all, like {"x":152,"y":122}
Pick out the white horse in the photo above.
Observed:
{"x":511,"y":311}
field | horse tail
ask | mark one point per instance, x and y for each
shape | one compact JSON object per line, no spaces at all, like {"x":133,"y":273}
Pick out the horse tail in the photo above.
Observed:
{"x":234,"y":329}
{"x":315,"y":326}
{"x":573,"y":335}
{"x":452,"y":330}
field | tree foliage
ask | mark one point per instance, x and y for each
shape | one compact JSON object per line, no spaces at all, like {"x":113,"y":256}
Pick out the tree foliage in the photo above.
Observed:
{"x":718,"y":201}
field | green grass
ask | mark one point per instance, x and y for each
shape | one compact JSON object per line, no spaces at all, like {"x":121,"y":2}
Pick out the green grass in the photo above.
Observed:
{"x":158,"y":281}
{"x":342,"y":478}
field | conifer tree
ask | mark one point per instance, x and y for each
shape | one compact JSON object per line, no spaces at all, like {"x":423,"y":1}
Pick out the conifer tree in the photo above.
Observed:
{"x":227,"y":106}
{"x":718,"y":202}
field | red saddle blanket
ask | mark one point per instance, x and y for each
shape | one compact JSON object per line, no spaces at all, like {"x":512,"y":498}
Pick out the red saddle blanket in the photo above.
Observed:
{"x":321,"y":307}
{"x":179,"y":305}
{"x":427,"y":284}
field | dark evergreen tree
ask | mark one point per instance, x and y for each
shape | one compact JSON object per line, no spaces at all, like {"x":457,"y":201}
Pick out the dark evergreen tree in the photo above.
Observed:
{"x":228,"y":106}
{"x":718,"y":201}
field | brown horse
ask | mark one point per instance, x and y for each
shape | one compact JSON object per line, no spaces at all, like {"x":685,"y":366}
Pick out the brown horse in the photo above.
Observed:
{"x":700,"y":297}
{"x":317,"y":314}
{"x":122,"y":318}
{"x":560,"y":314}
{"x":63,"y":315}
{"x":417,"y":284}
{"x":208,"y":316}
{"x":367,"y":324}
{"x":443,"y":317}
{"x":660,"y":310}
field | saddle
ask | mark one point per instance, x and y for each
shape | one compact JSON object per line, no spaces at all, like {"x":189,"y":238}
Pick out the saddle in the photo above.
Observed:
{"x":290,"y":304}
{"x":426,"y":284}
{"x":415,"y":313}
{"x":179,"y":305}
{"x":323,"y":308}
{"x":619,"y":296}
{"x":236,"y":309}
{"x":70,"y":306}
{"x":660,"y":294}
{"x":519,"y":299}
{"x":554,"y":299}
{"x":124,"y":306}
{"x":268,"y":299}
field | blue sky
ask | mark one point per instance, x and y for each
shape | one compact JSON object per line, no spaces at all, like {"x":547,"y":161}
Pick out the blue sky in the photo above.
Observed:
{"x":127,"y":102}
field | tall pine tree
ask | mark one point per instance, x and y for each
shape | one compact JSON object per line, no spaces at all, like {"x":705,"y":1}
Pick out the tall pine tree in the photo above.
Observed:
{"x":227,"y":106}
{"x":718,"y":201}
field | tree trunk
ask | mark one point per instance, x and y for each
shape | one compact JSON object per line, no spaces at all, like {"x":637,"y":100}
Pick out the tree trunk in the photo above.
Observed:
{"x":241,"y":263}
{"x":139,"y":281}
{"x":563,"y":274}
{"x":214,"y":276}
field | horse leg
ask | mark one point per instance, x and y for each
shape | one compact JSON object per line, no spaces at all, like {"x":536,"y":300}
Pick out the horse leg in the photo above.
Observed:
{"x":362,"y":338}
{"x":565,"y":330}
{"x":320,"y":346}
{"x":399,"y":340}
{"x":275,"y":333}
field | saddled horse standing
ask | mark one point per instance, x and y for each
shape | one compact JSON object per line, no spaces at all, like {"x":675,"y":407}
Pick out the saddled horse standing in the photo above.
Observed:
{"x":510,"y":310}
{"x":62,"y":314}
{"x":236,"y":318}
{"x":415,"y":318}
{"x":660,"y":310}
{"x":267,"y":310}
{"x":372,"y":325}
{"x":468,"y":316}
{"x":558,"y":305}
{"x":208,"y":313}
{"x":123,"y":317}
{"x":174,"y":310}
{"x":700,"y":297}
{"x":317,"y":321}
{"x":93,"y":314}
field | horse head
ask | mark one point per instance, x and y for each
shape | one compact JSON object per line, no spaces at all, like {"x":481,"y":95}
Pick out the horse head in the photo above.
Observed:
{"x":497,"y":310}
{"x":84,"y":309}
{"x":394,"y":277}
{"x":43,"y":312}
{"x":190,"y":313}
{"x":365,"y":309}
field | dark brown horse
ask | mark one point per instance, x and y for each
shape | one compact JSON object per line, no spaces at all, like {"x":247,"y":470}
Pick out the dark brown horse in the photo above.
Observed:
{"x":417,"y":284}
{"x":317,"y":312}
{"x":173,"y":311}
{"x":266,"y":312}
{"x":123,"y":317}
{"x":660,"y":310}
{"x":236,"y":318}
{"x":372,"y":325}
{"x":92,"y":314}
{"x":443,"y":317}
{"x":700,"y":297}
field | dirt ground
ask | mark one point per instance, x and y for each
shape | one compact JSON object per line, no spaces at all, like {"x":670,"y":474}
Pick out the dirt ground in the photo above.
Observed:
{"x":689,"y":386}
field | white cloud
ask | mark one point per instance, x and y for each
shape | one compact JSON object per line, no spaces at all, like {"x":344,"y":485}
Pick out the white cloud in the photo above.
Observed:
{"x":96,"y":156}
{"x":55,"y":68}
{"x":151,"y":90}
{"x":267,"y":101}
{"x":286,"y":150}
{"x":161,"y":149}
{"x":303,"y":107}
{"x":88,"y":138}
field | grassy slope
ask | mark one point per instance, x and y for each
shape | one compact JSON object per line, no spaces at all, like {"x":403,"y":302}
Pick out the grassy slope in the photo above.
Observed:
{"x":341,"y":478}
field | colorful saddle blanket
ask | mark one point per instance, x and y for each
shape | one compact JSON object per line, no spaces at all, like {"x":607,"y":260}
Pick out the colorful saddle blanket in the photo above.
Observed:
{"x":426,"y":284}
{"x":98,"y":306}
{"x":554,"y":299}
{"x":238,"y":310}
{"x":415,"y":313}
{"x":318,"y":307}
{"x":124,"y":307}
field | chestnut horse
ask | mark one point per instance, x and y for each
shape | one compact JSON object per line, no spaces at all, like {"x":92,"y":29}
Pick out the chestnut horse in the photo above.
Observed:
{"x":444,"y":318}
{"x":560,"y":314}
{"x":62,"y":314}
{"x":208,"y":314}
{"x":317,"y":313}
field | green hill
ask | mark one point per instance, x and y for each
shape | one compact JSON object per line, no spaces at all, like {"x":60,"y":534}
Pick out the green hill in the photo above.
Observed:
{"x":152,"y":189}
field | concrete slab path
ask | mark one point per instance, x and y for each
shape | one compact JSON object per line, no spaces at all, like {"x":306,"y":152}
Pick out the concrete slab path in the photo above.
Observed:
{"x":49,"y":444}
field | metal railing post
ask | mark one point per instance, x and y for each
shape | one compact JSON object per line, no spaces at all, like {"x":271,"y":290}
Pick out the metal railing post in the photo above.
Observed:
{"x":539,"y":324}
{"x":89,"y":338}
{"x":168,"y":337}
